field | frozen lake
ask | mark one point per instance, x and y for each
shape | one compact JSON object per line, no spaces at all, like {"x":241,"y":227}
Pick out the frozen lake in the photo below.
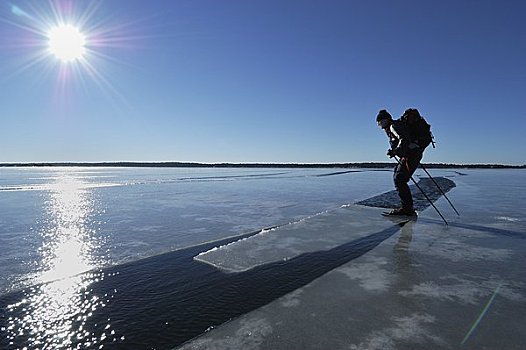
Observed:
{"x":137,"y":231}
{"x":56,"y":222}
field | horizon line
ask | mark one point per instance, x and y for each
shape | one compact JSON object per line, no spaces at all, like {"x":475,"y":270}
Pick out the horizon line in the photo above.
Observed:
{"x":174,"y":164}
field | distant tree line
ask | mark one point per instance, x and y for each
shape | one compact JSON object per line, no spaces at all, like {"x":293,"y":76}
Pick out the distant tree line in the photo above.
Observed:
{"x":258,"y":165}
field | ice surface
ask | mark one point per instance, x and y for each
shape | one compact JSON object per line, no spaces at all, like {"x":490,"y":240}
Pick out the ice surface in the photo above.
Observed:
{"x":422,"y":289}
{"x":423,"y":286}
{"x":133,"y":213}
{"x":433,"y":189}
{"x":322,"y":231}
{"x":431,"y":286}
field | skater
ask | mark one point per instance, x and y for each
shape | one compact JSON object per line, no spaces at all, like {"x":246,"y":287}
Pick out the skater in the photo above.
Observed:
{"x":410,"y":154}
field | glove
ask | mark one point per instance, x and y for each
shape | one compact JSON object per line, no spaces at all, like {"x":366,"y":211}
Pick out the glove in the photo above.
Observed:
{"x":391,"y":153}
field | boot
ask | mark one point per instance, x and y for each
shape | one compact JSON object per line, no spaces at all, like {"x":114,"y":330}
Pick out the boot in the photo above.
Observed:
{"x":403,"y":212}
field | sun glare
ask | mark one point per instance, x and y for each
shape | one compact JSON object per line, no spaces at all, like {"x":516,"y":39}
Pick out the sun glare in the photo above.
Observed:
{"x":67,"y":43}
{"x":74,"y":39}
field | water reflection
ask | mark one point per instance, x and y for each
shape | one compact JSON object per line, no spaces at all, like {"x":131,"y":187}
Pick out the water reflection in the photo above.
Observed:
{"x":67,"y":243}
{"x":53,"y":313}
{"x":405,"y":237}
{"x":404,"y":263}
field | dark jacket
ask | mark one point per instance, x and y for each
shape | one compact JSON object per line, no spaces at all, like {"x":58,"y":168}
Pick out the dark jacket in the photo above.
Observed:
{"x":399,"y":139}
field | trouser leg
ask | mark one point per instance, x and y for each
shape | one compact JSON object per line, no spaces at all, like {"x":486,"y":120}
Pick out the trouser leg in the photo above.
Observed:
{"x":402,"y":173}
{"x":400,"y":181}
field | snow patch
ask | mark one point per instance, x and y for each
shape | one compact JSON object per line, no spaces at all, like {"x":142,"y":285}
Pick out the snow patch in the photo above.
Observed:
{"x":370,"y":275}
{"x":408,"y":329}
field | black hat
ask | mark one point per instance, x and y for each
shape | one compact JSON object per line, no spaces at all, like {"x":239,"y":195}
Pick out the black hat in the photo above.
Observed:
{"x":383,"y":114}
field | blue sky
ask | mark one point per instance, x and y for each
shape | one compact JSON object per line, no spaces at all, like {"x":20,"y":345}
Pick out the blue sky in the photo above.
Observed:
{"x":262,"y":81}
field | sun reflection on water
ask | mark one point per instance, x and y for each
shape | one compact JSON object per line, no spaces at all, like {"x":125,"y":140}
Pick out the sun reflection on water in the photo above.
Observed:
{"x":67,"y":238}
{"x":55,"y":312}
{"x":54,"y":315}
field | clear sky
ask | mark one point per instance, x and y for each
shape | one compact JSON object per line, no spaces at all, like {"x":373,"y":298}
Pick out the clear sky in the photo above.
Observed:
{"x":261,"y":81}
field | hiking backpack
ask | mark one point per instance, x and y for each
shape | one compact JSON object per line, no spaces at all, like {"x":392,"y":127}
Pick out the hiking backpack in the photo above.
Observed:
{"x":419,"y":129}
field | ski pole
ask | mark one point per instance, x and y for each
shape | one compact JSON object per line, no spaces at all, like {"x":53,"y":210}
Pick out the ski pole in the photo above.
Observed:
{"x":428,"y":174}
{"x":425,"y":195}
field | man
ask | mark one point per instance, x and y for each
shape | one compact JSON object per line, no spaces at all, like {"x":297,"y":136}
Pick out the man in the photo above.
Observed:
{"x":410,"y":155}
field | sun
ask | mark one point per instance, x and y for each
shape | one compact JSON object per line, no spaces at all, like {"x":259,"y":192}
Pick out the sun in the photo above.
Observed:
{"x":74,"y":39}
{"x":66,"y":42}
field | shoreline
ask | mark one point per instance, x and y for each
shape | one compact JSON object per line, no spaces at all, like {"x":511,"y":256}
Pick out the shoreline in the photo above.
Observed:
{"x":255,"y":165}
